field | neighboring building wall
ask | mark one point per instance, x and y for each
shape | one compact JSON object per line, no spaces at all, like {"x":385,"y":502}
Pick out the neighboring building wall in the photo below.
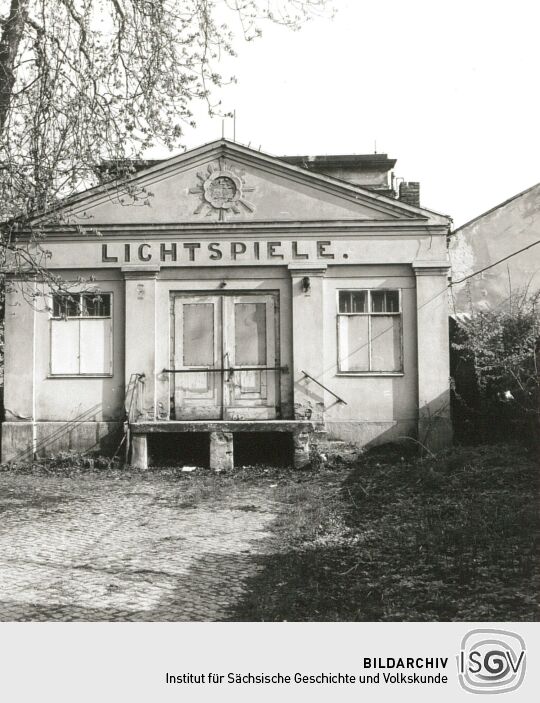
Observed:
{"x":371,"y":171}
{"x":492,"y":236}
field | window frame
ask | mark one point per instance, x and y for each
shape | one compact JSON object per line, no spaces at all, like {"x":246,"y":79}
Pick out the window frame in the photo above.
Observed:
{"x":79,"y":318}
{"x":369,"y":314}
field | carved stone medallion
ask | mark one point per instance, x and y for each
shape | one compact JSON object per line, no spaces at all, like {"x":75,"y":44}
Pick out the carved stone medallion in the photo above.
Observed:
{"x":222,"y":188}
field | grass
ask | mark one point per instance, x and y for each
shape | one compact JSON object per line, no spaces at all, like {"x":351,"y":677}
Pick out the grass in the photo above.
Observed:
{"x":395,"y":538}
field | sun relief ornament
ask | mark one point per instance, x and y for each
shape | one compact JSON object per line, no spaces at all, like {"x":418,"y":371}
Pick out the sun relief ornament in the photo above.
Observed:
{"x":222,"y":188}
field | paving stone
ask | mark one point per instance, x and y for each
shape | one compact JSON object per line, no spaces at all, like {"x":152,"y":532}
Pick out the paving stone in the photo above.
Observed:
{"x":94,"y":549}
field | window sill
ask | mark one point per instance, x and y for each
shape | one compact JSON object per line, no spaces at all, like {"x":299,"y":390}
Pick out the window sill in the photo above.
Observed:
{"x":370,"y":374}
{"x":80,"y":375}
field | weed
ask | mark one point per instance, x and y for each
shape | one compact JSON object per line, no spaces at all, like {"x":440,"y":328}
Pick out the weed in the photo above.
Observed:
{"x":451,"y":537}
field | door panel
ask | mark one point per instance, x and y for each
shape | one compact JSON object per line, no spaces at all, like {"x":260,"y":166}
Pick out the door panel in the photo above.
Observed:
{"x":234,"y":333}
{"x":197,"y":395}
{"x":251,"y":342}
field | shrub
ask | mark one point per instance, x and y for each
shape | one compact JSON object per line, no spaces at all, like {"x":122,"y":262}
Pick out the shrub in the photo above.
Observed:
{"x":502,"y":346}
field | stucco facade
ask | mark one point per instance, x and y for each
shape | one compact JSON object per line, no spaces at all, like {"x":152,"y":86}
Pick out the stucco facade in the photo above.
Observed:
{"x":229,"y":287}
{"x":490,"y":238}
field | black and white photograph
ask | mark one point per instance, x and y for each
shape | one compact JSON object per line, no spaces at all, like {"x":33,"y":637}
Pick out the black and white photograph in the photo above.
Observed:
{"x":270,"y":345}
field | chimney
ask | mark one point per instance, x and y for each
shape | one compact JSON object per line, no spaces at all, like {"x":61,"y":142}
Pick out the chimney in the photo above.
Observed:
{"x":409,"y":193}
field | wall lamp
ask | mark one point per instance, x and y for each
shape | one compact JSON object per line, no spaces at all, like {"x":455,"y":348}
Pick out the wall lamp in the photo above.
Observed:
{"x":306,"y":284}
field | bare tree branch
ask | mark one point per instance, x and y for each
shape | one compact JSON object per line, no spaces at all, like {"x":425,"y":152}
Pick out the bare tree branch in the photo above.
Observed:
{"x":88,"y":81}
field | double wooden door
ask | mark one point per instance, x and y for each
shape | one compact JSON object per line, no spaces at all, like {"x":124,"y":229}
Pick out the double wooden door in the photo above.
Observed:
{"x":225,"y":359}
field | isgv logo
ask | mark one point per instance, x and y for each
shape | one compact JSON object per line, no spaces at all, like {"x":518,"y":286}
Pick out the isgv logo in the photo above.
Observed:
{"x":491,"y":661}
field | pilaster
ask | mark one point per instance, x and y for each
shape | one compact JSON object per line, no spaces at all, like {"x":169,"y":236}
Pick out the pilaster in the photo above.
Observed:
{"x":434,"y":424}
{"x":19,"y":431}
{"x":141,"y":338}
{"x":308,"y":339}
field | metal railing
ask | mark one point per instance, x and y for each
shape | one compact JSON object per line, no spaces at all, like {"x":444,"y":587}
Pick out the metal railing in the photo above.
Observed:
{"x":339,"y":399}
{"x":228,"y":371}
{"x":133,"y":397}
{"x":231,"y":369}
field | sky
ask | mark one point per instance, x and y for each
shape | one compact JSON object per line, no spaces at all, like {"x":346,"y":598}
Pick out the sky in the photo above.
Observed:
{"x":449,"y":89}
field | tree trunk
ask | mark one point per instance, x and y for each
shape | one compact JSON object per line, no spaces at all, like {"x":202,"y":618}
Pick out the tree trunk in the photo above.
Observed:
{"x":12,"y":34}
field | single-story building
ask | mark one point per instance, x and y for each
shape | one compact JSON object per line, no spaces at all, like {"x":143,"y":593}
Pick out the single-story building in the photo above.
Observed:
{"x":226,"y":291}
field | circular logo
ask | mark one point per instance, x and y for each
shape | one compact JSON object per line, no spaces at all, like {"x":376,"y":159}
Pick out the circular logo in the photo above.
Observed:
{"x":491,"y":661}
{"x":222,"y":191}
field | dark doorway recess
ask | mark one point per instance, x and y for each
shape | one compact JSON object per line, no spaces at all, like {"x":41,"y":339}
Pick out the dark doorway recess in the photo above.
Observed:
{"x":179,"y":449}
{"x":263,"y":448}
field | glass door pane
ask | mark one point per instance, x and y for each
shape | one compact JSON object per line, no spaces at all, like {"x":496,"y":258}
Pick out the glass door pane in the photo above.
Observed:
{"x":198,"y":331}
{"x":250,"y":334}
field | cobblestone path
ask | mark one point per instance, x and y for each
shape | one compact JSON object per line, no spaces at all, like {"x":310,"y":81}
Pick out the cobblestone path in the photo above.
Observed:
{"x":104,"y":549}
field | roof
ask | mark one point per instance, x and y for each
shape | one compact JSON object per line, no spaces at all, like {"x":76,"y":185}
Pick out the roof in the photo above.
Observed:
{"x":347,"y":161}
{"x":367,"y":161}
{"x":226,"y":147}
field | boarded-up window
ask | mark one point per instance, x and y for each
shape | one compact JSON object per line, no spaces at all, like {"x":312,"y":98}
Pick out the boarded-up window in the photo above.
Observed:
{"x":385,"y":343}
{"x":354,"y":343}
{"x":369,"y":331}
{"x":81,"y":335}
{"x":65,"y":346}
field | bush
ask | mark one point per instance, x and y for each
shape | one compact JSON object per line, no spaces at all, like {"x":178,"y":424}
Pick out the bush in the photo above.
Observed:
{"x":501,"y":348}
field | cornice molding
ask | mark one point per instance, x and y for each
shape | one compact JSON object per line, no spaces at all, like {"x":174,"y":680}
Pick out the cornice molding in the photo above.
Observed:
{"x":223,"y":230}
{"x":431,"y":268}
{"x":137,"y":272}
{"x":301,"y":270}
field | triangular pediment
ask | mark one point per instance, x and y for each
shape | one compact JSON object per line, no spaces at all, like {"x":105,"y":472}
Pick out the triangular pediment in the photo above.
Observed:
{"x":224,"y":182}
